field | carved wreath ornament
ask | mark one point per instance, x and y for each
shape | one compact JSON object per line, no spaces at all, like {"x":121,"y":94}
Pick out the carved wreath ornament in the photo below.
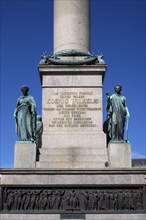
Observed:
{"x":84,"y":58}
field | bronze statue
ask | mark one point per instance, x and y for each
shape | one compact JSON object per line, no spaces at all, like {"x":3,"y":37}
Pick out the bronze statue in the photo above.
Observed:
{"x":118,"y":113}
{"x":25,"y":116}
{"x":39,"y":130}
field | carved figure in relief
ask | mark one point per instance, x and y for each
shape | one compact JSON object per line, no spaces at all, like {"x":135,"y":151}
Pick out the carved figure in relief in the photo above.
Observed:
{"x":107,"y":200}
{"x":126,"y":201}
{"x":36,"y":206}
{"x":139,"y":199}
{"x":95,"y":199}
{"x":131,"y":201}
{"x":101,"y":203}
{"x":10,"y":200}
{"x":24,"y":193}
{"x":59,"y":198}
{"x":50,"y":202}
{"x":5,"y":196}
{"x":27,"y":201}
{"x":43,"y":200}
{"x":120,"y":200}
{"x":86,"y":199}
{"x":19,"y":199}
{"x":25,"y":116}
{"x":111,"y":200}
{"x":135,"y":198}
{"x":73,"y":200}
{"x":115,"y":202}
{"x":15,"y":200}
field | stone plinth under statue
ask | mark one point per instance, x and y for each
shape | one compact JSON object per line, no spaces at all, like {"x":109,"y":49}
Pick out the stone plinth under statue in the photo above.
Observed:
{"x":119,"y":155}
{"x":25,"y":155}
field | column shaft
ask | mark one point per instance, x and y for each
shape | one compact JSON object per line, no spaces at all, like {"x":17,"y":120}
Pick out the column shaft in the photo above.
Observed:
{"x":71,"y":25}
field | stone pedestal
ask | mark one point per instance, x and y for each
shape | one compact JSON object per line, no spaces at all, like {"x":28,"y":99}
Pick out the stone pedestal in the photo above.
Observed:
{"x":101,"y":194}
{"x":119,"y":155}
{"x":25,"y":155}
{"x":72,"y":117}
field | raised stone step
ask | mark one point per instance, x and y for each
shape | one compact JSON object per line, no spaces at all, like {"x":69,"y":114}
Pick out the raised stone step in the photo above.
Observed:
{"x":71,"y":165}
{"x":73,"y":157}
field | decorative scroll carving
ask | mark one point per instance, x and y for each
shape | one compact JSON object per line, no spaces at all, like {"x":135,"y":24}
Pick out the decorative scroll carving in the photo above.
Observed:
{"x":73,"y":199}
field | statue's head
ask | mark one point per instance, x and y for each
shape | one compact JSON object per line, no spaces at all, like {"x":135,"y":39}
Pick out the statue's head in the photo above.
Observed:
{"x":118,"y":88}
{"x":25,"y":89}
{"x":39,"y":118}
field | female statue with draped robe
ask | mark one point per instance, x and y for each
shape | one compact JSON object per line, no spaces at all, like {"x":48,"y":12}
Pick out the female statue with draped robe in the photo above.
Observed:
{"x":117,"y":115}
{"x":25,"y":116}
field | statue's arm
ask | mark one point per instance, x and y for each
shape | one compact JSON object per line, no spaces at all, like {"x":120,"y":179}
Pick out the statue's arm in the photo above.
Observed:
{"x":127,"y":112}
{"x":33,"y":105}
{"x":108,"y":101}
{"x":15,"y":116}
{"x":126,"y":109}
{"x":110,"y":108}
{"x":15,"y":111}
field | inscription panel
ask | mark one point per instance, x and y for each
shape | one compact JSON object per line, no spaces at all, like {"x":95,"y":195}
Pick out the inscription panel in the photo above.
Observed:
{"x":68,"y":109}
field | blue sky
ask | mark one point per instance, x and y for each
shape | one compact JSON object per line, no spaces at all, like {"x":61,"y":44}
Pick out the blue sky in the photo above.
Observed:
{"x":117,"y":30}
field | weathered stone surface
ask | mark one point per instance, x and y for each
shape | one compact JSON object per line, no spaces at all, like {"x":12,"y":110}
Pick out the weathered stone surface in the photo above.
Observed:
{"x":30,"y":216}
{"x":64,"y":151}
{"x":68,"y":157}
{"x":71,"y":25}
{"x":75,"y":157}
{"x":72,"y":80}
{"x":78,"y":177}
{"x":73,"y":164}
{"x":59,"y":217}
{"x":119,"y":154}
{"x":116,"y":217}
{"x":25,"y":155}
{"x":72,"y":216}
{"x":74,"y":141}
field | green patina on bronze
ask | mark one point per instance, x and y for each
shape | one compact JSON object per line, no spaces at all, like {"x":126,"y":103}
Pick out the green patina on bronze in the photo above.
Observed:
{"x":28,"y":125}
{"x":117,"y":116}
{"x":25,"y":116}
{"x":87,"y":59}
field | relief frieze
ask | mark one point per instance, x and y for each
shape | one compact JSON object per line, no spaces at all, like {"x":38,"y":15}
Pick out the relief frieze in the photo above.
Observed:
{"x":55,"y":199}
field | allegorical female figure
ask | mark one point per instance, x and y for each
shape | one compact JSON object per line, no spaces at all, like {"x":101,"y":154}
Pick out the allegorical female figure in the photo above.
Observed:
{"x":117,"y":114}
{"x":25,"y":116}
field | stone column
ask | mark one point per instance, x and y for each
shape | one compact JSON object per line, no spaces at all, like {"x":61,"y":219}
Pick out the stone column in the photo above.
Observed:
{"x":71,"y":25}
